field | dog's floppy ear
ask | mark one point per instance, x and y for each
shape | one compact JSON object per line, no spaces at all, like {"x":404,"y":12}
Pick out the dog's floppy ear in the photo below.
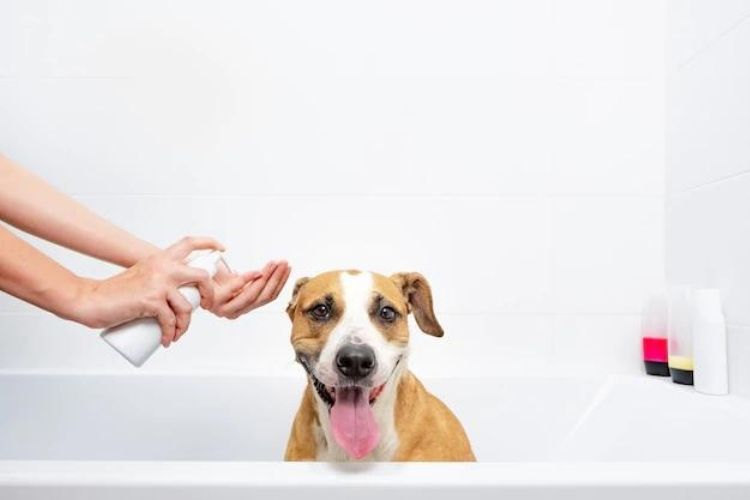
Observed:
{"x":293,"y":303}
{"x":418,"y":295}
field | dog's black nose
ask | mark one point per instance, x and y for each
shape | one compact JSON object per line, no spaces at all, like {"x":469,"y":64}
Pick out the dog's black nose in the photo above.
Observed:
{"x":355,"y":361}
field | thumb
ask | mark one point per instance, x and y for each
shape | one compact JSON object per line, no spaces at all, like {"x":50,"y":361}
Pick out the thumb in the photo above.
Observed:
{"x":238,"y":281}
{"x":251,"y":276}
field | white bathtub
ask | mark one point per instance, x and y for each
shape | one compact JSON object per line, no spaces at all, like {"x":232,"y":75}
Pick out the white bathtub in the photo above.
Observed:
{"x":219,"y":437}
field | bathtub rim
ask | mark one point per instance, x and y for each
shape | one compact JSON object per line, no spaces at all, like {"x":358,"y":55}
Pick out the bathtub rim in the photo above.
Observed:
{"x":40,"y":473}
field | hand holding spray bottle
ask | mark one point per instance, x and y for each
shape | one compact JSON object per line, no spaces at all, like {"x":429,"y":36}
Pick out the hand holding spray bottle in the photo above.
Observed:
{"x":137,"y":340}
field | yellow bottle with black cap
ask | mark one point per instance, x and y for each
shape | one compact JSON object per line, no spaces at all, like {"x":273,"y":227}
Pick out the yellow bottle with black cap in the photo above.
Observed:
{"x":681,"y":368}
{"x":681,"y":335}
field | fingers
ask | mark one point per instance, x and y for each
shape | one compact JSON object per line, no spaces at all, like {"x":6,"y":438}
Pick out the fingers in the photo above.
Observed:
{"x":273,"y":284}
{"x":238,"y":282}
{"x":224,"y":292}
{"x":251,"y":276}
{"x":187,"y":275}
{"x":261,"y":291}
{"x":222,"y":274}
{"x":167,"y":322}
{"x":182,"y":310}
{"x":282,"y":282}
{"x":246,"y":299}
{"x":228,"y":289}
{"x":231,"y":295}
{"x":182,"y":248}
{"x":160,"y":275}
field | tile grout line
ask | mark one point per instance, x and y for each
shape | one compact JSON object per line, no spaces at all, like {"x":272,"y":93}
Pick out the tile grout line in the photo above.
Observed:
{"x":681,"y":66}
{"x":710,"y":184}
{"x":444,"y":196}
{"x":520,"y":314}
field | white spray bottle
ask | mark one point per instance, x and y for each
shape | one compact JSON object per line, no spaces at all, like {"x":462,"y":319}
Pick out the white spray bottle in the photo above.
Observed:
{"x":709,"y":343}
{"x":138,"y":339}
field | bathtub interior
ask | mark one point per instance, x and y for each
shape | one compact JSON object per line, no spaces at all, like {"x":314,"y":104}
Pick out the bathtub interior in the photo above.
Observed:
{"x":238,"y":418}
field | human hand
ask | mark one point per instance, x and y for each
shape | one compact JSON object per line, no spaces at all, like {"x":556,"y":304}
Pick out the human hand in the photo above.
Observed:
{"x":149,"y":289}
{"x":237,"y":294}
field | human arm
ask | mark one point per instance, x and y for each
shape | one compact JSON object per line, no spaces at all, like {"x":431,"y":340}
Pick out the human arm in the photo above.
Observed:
{"x":147,"y":289}
{"x":33,"y":206}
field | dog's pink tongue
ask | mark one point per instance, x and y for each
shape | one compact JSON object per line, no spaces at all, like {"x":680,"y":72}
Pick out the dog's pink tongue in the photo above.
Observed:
{"x":353,"y":422}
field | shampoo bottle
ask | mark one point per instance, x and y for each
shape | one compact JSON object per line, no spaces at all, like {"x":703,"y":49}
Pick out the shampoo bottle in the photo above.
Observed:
{"x":709,"y":343}
{"x":654,"y":335}
{"x":138,"y":339}
{"x":681,"y":335}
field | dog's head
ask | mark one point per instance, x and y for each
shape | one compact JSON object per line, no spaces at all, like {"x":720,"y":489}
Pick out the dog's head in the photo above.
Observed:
{"x":350,"y":332}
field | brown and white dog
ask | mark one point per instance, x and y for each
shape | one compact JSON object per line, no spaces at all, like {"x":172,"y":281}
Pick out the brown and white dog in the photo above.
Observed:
{"x":350,"y":333}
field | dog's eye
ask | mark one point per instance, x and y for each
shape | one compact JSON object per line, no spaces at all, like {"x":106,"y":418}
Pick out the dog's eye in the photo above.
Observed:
{"x":387,"y":313}
{"x":321,"y":312}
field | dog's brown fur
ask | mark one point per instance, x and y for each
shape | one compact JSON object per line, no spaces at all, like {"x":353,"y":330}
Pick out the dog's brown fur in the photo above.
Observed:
{"x":427,"y":430}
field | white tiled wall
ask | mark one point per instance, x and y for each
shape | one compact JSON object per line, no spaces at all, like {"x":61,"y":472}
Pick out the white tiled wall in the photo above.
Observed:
{"x":511,"y":151}
{"x":708,"y":161}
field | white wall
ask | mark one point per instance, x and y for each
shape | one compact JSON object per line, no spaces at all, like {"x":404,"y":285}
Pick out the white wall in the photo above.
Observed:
{"x":708,"y":151}
{"x":511,"y":151}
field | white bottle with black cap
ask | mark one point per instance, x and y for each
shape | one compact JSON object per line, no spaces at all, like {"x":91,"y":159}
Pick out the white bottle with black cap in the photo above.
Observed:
{"x":138,"y":339}
{"x":709,"y":343}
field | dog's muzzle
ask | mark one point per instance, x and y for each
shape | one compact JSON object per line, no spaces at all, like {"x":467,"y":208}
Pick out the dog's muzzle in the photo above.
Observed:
{"x":327,"y":394}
